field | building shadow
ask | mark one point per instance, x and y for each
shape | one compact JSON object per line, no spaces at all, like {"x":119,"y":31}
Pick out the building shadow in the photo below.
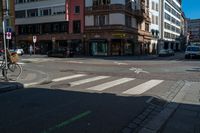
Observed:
{"x":43,"y":110}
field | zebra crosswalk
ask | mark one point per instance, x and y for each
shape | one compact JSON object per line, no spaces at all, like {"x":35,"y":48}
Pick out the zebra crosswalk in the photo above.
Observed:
{"x":128,"y":86}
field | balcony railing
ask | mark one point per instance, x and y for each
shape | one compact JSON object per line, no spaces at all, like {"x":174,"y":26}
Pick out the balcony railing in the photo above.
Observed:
{"x":111,"y":27}
{"x":116,"y":7}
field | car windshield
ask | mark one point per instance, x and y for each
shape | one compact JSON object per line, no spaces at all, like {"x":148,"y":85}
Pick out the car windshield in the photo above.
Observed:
{"x":193,"y":49}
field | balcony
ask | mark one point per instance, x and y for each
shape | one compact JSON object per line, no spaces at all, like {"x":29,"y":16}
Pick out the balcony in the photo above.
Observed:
{"x":114,"y":8}
{"x":110,"y":28}
{"x":40,"y":19}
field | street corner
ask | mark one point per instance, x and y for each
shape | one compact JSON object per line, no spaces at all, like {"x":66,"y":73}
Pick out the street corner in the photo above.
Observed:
{"x":10,"y":86}
{"x":31,"y":77}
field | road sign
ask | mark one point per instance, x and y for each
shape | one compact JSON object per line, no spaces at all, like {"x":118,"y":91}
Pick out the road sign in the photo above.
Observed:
{"x":34,"y":39}
{"x":8,"y":35}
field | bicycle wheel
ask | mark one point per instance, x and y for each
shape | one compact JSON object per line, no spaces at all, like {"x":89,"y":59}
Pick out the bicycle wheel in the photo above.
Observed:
{"x":13,"y":72}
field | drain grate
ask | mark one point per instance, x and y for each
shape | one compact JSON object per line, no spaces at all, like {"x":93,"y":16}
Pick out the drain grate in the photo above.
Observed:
{"x":158,"y":102}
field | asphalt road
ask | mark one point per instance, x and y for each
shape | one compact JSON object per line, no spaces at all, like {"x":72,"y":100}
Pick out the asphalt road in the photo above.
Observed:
{"x":74,"y":100}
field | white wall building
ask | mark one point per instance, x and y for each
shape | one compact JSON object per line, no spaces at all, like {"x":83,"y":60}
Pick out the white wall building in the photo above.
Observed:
{"x":170,"y":24}
{"x":154,"y":26}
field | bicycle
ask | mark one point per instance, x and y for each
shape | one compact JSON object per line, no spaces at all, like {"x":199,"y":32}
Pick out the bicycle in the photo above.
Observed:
{"x":13,"y":70}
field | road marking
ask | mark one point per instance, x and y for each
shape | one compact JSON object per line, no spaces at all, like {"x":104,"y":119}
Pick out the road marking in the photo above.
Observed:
{"x":87,"y":80}
{"x":120,"y":63}
{"x":68,"y":77}
{"x":138,"y":70}
{"x":67,"y":122}
{"x":143,"y":87}
{"x":20,"y":63}
{"x":107,"y":85}
{"x":77,"y":62}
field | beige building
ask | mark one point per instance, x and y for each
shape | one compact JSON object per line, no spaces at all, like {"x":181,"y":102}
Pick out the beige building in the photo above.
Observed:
{"x":117,"y":27}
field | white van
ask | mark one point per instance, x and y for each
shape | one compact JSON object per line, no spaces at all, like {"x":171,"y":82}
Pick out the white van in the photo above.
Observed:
{"x":192,"y":52}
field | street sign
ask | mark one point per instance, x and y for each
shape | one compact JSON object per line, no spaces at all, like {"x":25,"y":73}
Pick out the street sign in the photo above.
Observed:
{"x":34,"y":39}
{"x":8,"y":35}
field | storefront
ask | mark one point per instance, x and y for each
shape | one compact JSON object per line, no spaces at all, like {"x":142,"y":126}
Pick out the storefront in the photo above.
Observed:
{"x":98,"y":47}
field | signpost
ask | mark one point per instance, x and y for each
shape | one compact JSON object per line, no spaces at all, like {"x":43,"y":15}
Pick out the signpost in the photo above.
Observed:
{"x":8,"y":37}
{"x":34,"y":41}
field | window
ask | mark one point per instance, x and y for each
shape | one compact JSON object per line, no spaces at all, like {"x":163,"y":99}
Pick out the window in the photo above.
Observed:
{"x":77,"y":9}
{"x":20,"y":14}
{"x":153,"y":5}
{"x":152,"y":19}
{"x":157,"y":20}
{"x":45,"y":12}
{"x":100,"y":2}
{"x":128,"y":21}
{"x":157,"y":7}
{"x":77,"y":26}
{"x":101,"y":20}
{"x":32,"y":12}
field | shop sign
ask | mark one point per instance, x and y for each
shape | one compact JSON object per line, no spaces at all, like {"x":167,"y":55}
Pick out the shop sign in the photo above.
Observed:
{"x":119,"y":35}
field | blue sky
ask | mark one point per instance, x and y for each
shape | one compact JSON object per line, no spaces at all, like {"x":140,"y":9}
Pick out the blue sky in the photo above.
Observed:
{"x":191,"y":8}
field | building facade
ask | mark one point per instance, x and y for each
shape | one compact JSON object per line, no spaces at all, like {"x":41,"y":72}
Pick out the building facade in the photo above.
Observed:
{"x":117,"y":27}
{"x":154,"y":26}
{"x":170,"y":24}
{"x":57,"y":24}
{"x":194,"y":30}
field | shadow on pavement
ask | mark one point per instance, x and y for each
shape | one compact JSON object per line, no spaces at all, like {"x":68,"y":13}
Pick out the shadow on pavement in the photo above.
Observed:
{"x":9,"y":86}
{"x":41,"y":110}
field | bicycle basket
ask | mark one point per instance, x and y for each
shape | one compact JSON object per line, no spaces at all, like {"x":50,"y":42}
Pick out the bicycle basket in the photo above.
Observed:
{"x":14,"y":58}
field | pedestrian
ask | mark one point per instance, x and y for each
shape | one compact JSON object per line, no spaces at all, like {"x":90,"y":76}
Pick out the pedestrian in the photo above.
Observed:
{"x":31,"y":50}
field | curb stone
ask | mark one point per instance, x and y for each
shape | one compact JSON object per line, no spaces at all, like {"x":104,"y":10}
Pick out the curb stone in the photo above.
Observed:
{"x":7,"y":88}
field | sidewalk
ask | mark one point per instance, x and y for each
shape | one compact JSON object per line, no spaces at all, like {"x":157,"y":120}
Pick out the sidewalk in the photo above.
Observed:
{"x":181,"y":115}
{"x":186,"y":118}
{"x":28,"y":78}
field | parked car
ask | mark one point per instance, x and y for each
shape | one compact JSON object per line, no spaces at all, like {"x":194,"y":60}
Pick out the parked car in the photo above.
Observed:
{"x":192,"y":52}
{"x":61,"y":52}
{"x":171,"y":52}
{"x":166,"y":52}
{"x":19,"y":51}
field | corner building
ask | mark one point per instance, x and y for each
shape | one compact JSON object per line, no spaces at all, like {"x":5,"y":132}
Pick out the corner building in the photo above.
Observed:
{"x":56,"y":23}
{"x":116,"y":27}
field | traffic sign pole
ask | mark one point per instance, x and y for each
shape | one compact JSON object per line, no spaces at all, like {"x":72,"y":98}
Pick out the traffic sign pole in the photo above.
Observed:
{"x":5,"y":51}
{"x":34,"y":41}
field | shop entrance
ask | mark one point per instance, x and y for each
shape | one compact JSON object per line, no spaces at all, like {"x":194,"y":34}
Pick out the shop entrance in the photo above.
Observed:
{"x":98,"y":47}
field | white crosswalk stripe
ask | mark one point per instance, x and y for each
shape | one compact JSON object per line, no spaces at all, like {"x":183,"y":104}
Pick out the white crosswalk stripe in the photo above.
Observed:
{"x":143,"y":87}
{"x":68,"y":77}
{"x":110,"y":84}
{"x":102,"y":83}
{"x":80,"y":82}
